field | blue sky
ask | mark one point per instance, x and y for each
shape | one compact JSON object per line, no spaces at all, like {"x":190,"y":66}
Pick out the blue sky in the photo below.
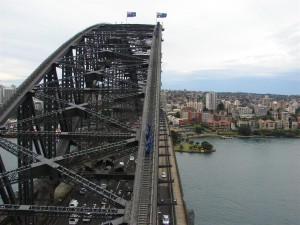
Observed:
{"x":216,"y":45}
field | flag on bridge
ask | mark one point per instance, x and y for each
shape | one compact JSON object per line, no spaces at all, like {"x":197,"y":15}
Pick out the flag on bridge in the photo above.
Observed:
{"x":161,"y":15}
{"x":131,"y":14}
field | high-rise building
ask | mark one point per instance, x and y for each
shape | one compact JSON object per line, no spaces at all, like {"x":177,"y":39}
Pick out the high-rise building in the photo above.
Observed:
{"x":211,"y":101}
{"x":8,"y":92}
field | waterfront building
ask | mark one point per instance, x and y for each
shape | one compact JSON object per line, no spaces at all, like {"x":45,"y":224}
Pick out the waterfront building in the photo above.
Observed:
{"x":284,"y":116}
{"x":219,"y":125}
{"x":285,"y":125}
{"x":253,"y":124}
{"x":270,"y":124}
{"x":262,"y":124}
{"x":294,"y":125}
{"x":260,"y":110}
{"x":211,"y":101}
{"x":240,"y":123}
{"x":232,"y":126}
{"x":278,"y":124}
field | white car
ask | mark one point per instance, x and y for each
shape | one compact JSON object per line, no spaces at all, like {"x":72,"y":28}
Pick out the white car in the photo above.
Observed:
{"x":163,"y":175}
{"x":131,"y":158}
{"x":73,"y":203}
{"x":166,"y":219}
{"x":73,"y":219}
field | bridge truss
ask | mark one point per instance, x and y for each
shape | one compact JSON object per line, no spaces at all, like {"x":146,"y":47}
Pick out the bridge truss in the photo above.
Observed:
{"x":93,"y":98}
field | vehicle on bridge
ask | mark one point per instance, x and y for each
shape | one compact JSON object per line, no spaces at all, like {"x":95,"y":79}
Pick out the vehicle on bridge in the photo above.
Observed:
{"x":73,"y":203}
{"x":166,"y":219}
{"x":74,"y":218}
{"x":87,"y":217}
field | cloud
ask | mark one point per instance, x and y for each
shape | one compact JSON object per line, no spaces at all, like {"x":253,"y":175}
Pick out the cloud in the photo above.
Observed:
{"x":227,"y":81}
{"x":234,"y":39}
{"x":15,"y":69}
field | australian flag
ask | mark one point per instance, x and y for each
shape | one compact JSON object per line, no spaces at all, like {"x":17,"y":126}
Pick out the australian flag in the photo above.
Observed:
{"x":131,"y":14}
{"x":161,"y":15}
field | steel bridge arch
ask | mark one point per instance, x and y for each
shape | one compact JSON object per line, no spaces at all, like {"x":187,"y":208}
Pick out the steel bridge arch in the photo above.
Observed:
{"x":97,"y":93}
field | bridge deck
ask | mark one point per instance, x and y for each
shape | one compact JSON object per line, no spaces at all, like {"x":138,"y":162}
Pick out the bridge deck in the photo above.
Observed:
{"x":177,"y":189}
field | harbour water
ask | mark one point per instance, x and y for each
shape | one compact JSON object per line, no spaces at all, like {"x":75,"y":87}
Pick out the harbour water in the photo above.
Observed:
{"x":245,"y":182}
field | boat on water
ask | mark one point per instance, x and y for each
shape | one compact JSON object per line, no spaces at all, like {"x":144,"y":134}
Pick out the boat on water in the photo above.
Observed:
{"x":226,"y":137}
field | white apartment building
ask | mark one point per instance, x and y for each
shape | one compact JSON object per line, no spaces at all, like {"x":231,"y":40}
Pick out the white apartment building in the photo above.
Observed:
{"x":243,"y":110}
{"x":211,"y":101}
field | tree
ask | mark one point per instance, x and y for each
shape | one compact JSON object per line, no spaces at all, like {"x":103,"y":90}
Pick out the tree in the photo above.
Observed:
{"x":205,"y":109}
{"x":245,"y":130}
{"x":257,"y":132}
{"x":176,"y":137}
{"x":177,"y":115}
{"x":220,"y":106}
{"x":199,"y":129}
{"x":181,"y":147}
{"x":206,"y":145}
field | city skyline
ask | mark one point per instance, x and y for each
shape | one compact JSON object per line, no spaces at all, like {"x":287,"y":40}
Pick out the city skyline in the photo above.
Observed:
{"x":9,"y":83}
{"x":236,"y":46}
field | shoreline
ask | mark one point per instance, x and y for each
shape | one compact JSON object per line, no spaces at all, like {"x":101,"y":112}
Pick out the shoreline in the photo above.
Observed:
{"x":202,"y":152}
{"x":233,"y":136}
